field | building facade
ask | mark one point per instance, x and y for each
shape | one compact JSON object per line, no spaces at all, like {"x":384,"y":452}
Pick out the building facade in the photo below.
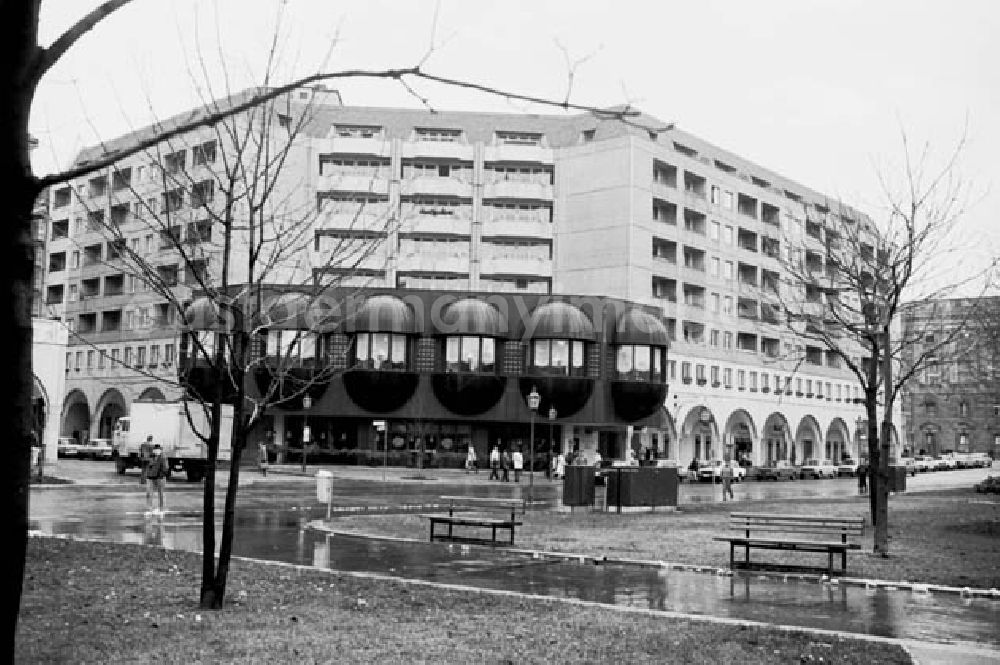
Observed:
{"x":953,"y":402}
{"x":508,"y":204}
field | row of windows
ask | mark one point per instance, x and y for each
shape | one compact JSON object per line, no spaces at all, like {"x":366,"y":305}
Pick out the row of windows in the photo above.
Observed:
{"x":117,"y":357}
{"x":963,"y":410}
{"x":465,"y":353}
{"x":439,"y":134}
{"x":130,"y":176}
{"x":754,"y":380}
{"x":462,"y":171}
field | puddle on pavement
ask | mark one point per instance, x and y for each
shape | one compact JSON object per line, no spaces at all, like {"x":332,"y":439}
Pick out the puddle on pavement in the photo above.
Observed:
{"x":281,"y":535}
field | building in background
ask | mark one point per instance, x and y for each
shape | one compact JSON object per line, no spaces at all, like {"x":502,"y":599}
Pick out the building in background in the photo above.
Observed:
{"x":498,"y":203}
{"x":953,"y":402}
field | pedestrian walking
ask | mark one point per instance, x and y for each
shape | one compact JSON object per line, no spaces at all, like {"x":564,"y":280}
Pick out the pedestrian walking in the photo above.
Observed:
{"x":505,"y":465}
{"x":863,"y":478}
{"x":560,"y":466}
{"x":517,"y":460}
{"x":470,"y":460}
{"x":145,"y":456}
{"x":156,"y":477}
{"x":693,"y":469}
{"x":495,"y":463}
{"x":262,"y":457}
{"x":727,"y":480}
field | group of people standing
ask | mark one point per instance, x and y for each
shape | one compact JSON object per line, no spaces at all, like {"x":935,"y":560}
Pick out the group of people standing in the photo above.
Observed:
{"x":501,"y":462}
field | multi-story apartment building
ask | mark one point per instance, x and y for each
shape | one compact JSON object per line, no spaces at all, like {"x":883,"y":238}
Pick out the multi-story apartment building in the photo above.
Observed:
{"x":952,"y":403}
{"x":516,"y":203}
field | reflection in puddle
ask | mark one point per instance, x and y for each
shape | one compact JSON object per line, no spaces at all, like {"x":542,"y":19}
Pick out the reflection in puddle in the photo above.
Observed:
{"x":280,"y":535}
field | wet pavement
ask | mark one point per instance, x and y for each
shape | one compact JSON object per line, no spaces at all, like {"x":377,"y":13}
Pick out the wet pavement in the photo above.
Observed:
{"x":272,"y":524}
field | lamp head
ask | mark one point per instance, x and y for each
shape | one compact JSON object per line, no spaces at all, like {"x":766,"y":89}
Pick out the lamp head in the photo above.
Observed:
{"x":534,"y":399}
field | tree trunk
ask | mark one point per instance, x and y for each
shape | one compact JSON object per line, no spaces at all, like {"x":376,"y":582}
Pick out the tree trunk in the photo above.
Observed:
{"x":18,"y":39}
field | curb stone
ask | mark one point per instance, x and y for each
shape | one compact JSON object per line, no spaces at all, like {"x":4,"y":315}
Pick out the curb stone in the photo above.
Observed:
{"x":914,"y":587}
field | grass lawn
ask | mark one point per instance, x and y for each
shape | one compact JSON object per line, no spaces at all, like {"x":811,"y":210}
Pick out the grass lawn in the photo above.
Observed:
{"x":948,"y":537}
{"x":104,"y":603}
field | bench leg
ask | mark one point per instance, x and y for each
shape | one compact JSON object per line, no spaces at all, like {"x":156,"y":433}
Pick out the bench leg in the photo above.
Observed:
{"x":432,"y":531}
{"x":494,"y":535}
{"x":747,"y":556}
{"x":843,"y":562}
{"x":732,"y":556}
{"x":511,"y":534}
{"x":829,"y":566}
{"x":450,"y":525}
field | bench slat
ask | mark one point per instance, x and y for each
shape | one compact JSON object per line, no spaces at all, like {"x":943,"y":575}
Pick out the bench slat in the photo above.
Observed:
{"x":763,"y":542}
{"x":797,"y":518}
{"x":850,"y":531}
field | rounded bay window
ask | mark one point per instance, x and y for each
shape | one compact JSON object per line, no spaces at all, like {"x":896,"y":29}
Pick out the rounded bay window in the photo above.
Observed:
{"x":208,"y":327}
{"x":292,"y":349}
{"x":380,"y":376}
{"x":639,"y":387}
{"x":556,"y":362}
{"x":467,"y":382}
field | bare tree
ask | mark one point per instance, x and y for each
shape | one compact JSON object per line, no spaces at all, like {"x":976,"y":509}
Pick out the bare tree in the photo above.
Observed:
{"x":850,"y":280}
{"x":27,"y":62}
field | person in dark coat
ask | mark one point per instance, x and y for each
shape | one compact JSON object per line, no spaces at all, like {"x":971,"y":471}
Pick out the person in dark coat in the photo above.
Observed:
{"x":862,"y":477}
{"x":505,"y":463}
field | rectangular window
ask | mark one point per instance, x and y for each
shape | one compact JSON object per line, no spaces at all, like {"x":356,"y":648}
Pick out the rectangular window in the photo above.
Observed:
{"x":128,"y":356}
{"x":728,"y":235}
{"x":541,"y":353}
{"x":714,"y":338}
{"x":154,"y":354}
{"x":753,"y":381}
{"x":727,"y":341}
{"x":715,"y":375}
{"x":763,"y":381}
{"x":728,"y":374}
{"x":714,"y":231}
{"x":741,"y":379}
{"x":168,"y":354}
{"x":140,"y":356}
{"x":90,"y":359}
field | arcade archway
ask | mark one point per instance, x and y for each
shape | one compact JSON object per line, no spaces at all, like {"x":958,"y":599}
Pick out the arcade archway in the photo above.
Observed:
{"x":808,"y":440}
{"x":76,"y":416}
{"x":838,"y":441}
{"x":699,"y":437}
{"x":740,"y":435}
{"x":777,"y":438}
{"x":110,"y":408}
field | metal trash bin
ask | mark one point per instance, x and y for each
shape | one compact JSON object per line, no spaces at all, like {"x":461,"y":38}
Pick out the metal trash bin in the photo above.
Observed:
{"x":897,"y":478}
{"x":324,"y":485}
{"x":578,"y":486}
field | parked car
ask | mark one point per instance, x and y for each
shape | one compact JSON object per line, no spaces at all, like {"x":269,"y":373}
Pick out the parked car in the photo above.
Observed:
{"x":991,"y":485}
{"x":96,"y":449}
{"x":910,"y":464}
{"x":939,"y":464}
{"x":712,"y":471}
{"x":67,"y":447}
{"x":949,"y":460}
{"x":924,"y":463}
{"x":847,"y":467}
{"x":980,"y":460}
{"x":780,"y":470}
{"x":818,"y":468}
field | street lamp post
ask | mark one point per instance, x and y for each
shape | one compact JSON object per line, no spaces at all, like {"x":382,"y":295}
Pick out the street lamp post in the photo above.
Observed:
{"x":533,"y":399}
{"x":548,"y":458}
{"x":306,"y":405}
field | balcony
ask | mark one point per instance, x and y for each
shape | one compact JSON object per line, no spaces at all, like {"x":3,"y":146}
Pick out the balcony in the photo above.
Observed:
{"x":436,"y":186}
{"x":436,"y":224}
{"x":367,"y":220}
{"x":353,"y":183}
{"x":349,"y":259}
{"x":433,"y":262}
{"x":451,"y":150}
{"x":515,"y":266}
{"x":517,"y":229}
{"x":513,"y":189}
{"x":518,"y":153}
{"x":351,"y":145}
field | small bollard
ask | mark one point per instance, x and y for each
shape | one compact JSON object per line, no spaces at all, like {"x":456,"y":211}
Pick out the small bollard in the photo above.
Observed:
{"x":324,"y":489}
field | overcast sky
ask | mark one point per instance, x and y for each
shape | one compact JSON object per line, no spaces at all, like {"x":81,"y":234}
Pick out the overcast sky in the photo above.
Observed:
{"x":817,"y":90}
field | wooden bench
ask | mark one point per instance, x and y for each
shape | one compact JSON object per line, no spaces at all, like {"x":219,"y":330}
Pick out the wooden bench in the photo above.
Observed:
{"x":790,"y":526}
{"x":493,"y":522}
